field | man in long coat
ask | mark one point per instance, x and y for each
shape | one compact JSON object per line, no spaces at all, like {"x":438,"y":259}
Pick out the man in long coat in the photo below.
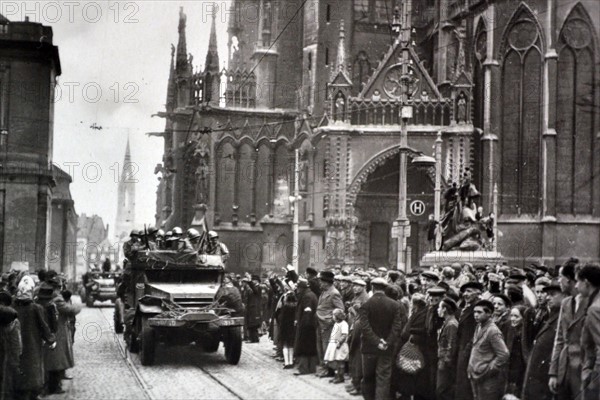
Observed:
{"x":565,"y":364}
{"x":464,"y":338}
{"x":588,"y":284}
{"x":535,"y":384}
{"x":329,"y":300}
{"x":57,"y":361}
{"x":380,"y":321}
{"x":253,"y":308}
{"x":361,"y":296}
{"x":305,"y":347}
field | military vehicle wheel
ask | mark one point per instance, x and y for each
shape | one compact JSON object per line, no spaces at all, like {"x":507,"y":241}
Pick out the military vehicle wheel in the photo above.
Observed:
{"x":147,"y":343}
{"x":211,"y":346}
{"x":89,"y":301}
{"x":233,"y":345}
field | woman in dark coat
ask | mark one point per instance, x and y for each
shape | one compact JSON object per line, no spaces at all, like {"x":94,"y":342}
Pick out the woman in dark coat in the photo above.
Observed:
{"x":288,"y":330}
{"x":34,"y":332}
{"x":514,"y":343}
{"x":61,"y":358}
{"x":305,"y":346}
{"x":414,"y":331}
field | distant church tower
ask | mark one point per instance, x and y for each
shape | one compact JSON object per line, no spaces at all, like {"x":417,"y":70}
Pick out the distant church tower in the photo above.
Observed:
{"x":126,"y":199}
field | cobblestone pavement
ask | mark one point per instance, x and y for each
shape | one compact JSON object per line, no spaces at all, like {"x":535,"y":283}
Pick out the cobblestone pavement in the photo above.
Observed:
{"x":104,"y":370}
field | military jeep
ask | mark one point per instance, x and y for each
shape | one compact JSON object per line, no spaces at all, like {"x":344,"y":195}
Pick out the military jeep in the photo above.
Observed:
{"x":98,"y":286}
{"x":172,"y":298}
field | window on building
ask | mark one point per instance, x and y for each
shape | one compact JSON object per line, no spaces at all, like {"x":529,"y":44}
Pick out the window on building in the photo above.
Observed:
{"x":326,"y":55}
{"x":361,"y":70}
{"x":310,"y":61}
{"x":328,"y":13}
{"x":361,"y":10}
{"x":384,"y":11}
{"x":521,"y":115}
{"x":574,"y":111}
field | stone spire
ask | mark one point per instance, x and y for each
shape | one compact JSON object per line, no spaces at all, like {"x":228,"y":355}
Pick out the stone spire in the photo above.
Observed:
{"x":182,"y":55}
{"x":341,"y":53}
{"x":125,"y":198}
{"x":212,"y":56}
{"x":172,"y":85}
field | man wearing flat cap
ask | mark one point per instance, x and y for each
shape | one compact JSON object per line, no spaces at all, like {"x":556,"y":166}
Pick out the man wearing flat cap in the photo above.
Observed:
{"x":446,"y":348}
{"x":489,"y":355}
{"x":428,"y":280}
{"x":313,"y":281}
{"x":470,"y":293}
{"x":380,"y":321}
{"x":535,"y":384}
{"x":329,"y":300}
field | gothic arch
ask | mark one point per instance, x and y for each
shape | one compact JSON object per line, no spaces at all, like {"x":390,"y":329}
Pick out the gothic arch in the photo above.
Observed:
{"x":369,"y":167}
{"x":521,"y":55}
{"x":575,"y":124}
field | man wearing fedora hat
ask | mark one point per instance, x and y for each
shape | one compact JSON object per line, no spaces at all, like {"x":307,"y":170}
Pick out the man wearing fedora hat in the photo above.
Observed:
{"x":329,"y":300}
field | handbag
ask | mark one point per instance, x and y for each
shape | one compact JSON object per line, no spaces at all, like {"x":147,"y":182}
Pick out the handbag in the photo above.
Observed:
{"x":410,"y":359}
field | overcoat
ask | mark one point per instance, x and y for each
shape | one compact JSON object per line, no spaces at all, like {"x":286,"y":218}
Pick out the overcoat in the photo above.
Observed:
{"x":566,"y":359}
{"x":287,"y":317}
{"x":464,"y":342}
{"x":253,"y":305}
{"x":535,"y":385}
{"x":34,"y":331}
{"x":10,"y":351}
{"x":306,"y":334}
{"x":61,"y":357}
{"x":590,"y":347}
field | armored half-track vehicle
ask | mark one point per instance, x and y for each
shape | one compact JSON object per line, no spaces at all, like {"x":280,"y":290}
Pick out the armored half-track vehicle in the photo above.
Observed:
{"x":171,"y":300}
{"x":98,"y":286}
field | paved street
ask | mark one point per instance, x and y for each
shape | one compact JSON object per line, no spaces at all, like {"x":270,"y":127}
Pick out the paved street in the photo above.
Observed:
{"x":104,"y":370}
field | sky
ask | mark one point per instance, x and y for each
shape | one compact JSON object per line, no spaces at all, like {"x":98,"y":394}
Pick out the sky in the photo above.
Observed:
{"x":115,"y":59}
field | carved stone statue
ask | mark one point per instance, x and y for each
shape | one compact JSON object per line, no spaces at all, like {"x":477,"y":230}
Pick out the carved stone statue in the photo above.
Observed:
{"x":201,"y":182}
{"x":459,"y":66}
{"x":461,"y":109}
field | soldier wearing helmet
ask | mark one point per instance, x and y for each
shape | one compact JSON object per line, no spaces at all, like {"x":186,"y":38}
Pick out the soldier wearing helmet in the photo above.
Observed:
{"x":160,"y":239}
{"x":168,"y":241}
{"x":132,"y":246}
{"x":191,"y":243}
{"x":216,"y":247}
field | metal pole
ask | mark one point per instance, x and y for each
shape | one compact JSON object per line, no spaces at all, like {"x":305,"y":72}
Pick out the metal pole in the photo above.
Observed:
{"x":438,"y":188}
{"x":295,"y":224}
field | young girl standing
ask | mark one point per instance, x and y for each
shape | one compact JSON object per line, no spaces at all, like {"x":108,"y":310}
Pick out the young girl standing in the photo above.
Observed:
{"x":337,"y":350}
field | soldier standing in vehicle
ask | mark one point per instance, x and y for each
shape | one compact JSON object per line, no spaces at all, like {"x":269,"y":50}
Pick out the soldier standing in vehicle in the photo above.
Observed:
{"x":131,"y":247}
{"x":216,"y":247}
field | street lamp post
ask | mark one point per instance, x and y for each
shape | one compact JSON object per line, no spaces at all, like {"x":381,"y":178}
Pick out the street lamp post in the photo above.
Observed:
{"x":401,"y":228}
{"x":294,"y":202}
{"x":437,"y":198}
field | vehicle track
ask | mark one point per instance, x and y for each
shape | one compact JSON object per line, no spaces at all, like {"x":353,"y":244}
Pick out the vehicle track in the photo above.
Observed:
{"x":134,"y":370}
{"x":125,"y":354}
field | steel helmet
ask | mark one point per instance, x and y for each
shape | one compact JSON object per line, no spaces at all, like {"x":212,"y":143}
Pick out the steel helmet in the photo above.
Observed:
{"x":141,"y":233}
{"x":160,"y":233}
{"x":133,"y":233}
{"x":177,"y":231}
{"x":193,"y":233}
{"x":212,"y":234}
{"x":168,"y":234}
{"x":151,"y":230}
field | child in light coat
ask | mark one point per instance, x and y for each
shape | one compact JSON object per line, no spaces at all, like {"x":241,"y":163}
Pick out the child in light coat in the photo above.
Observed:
{"x":337,"y":350}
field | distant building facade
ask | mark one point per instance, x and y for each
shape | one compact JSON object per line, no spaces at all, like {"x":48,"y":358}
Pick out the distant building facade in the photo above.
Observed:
{"x":93,"y":244}
{"x":37,"y":217}
{"x":484,"y":73}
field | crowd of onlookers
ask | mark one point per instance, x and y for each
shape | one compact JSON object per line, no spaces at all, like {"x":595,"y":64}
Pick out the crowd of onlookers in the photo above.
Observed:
{"x":453,"y":332}
{"x":37,"y":330}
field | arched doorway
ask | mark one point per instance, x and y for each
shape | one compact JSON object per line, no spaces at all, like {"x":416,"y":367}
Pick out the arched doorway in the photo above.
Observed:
{"x":375,"y":206}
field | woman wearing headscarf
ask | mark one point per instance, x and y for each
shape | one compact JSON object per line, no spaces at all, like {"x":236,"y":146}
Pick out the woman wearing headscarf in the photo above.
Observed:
{"x":61,"y":359}
{"x":34,"y":332}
